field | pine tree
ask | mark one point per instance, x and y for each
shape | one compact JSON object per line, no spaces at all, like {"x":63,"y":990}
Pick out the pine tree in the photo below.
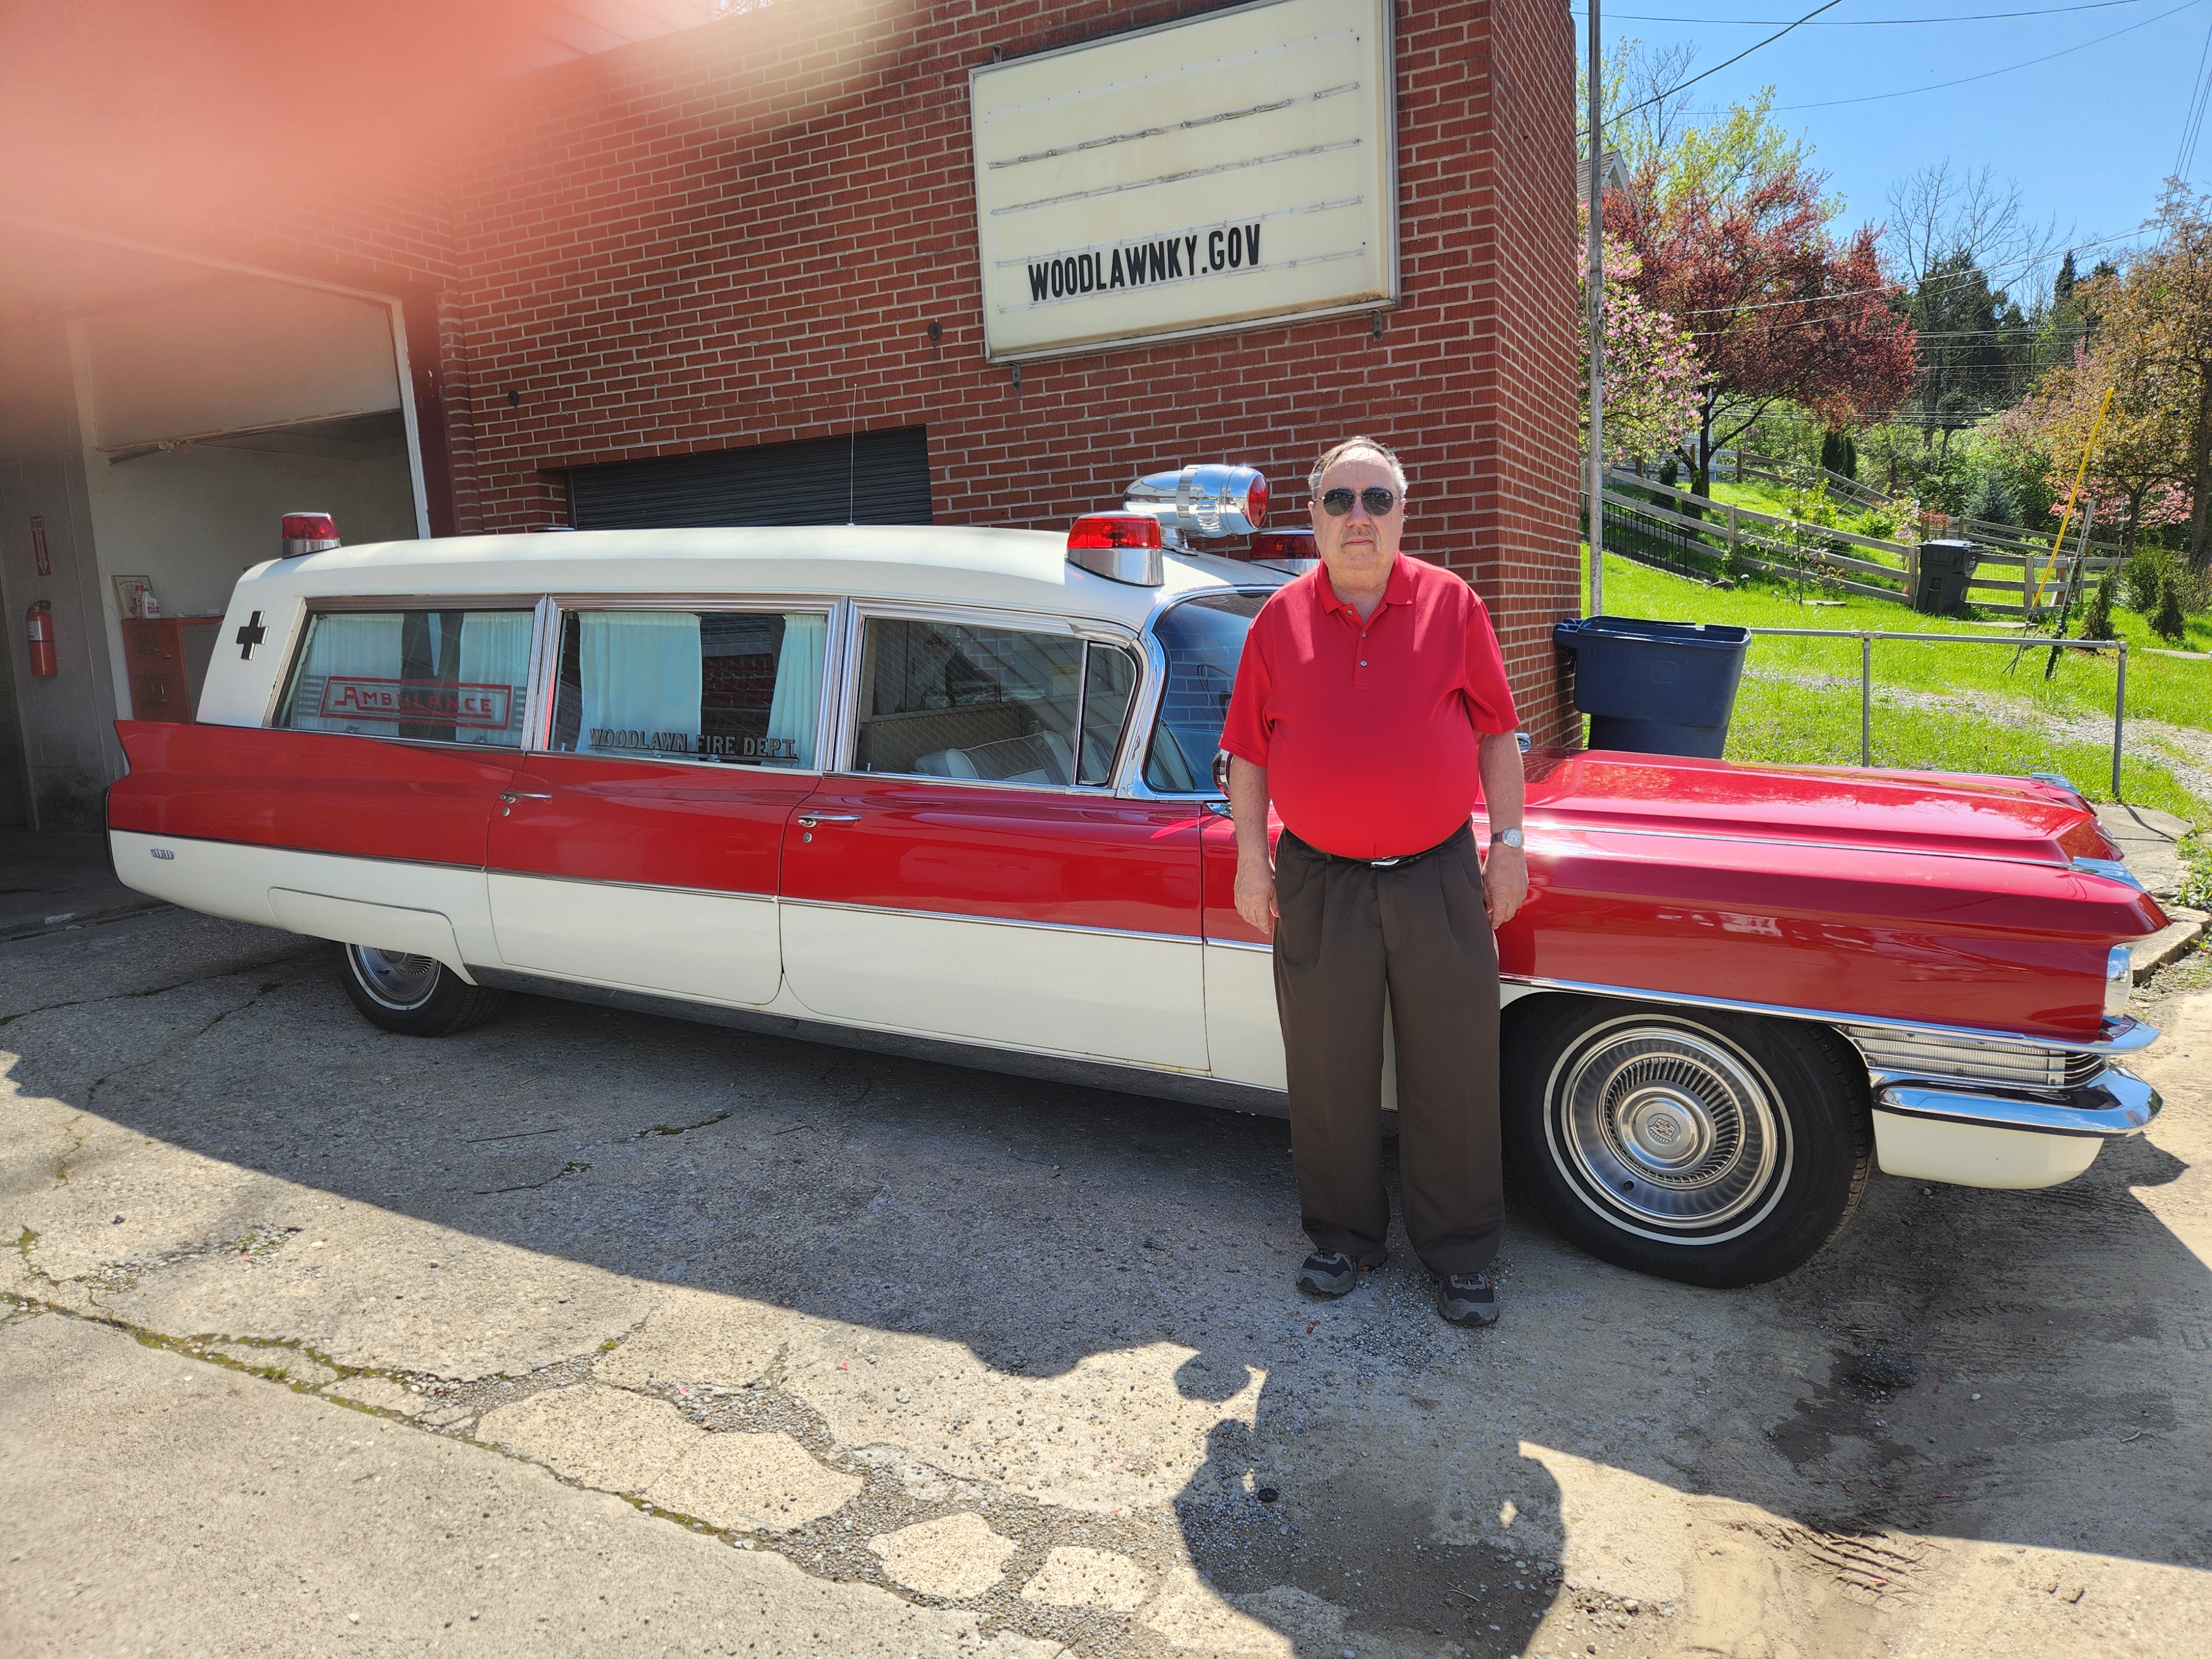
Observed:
{"x":2170,"y":624}
{"x":2062,"y":285}
{"x":2098,"y":624}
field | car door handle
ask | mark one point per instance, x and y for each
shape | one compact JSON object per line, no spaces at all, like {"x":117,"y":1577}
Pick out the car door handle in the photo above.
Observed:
{"x":510,"y":796}
{"x":808,"y":820}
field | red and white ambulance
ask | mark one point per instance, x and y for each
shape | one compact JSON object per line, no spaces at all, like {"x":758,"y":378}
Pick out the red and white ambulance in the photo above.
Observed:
{"x":950,"y":792}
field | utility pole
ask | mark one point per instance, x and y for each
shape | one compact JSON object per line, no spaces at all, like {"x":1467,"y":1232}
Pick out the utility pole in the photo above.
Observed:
{"x":1596,"y":284}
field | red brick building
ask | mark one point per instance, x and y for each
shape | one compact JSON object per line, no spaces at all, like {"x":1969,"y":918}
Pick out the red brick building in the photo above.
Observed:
{"x":762,"y":229}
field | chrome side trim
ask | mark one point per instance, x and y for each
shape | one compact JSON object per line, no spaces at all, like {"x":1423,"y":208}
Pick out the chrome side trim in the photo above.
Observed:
{"x":2119,"y":1103}
{"x":1185,"y":1087}
{"x":1913,"y":1056}
{"x":1239,"y":944}
{"x":631,"y":886}
{"x":2121,"y":1036}
{"x":993,"y":921}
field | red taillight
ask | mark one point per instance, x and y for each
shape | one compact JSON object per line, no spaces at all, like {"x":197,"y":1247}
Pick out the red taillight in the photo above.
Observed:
{"x":1256,"y":501}
{"x":1115,"y":529}
{"x":1284,"y":544}
{"x":309,"y":532}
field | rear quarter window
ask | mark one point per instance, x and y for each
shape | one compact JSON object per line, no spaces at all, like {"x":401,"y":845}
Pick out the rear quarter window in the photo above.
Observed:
{"x":434,"y":676}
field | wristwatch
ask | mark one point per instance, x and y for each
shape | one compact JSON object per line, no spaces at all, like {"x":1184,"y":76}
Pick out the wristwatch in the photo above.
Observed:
{"x":1512,"y":838}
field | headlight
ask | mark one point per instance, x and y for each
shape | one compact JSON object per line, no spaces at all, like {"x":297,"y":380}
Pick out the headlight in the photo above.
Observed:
{"x":2119,"y":981}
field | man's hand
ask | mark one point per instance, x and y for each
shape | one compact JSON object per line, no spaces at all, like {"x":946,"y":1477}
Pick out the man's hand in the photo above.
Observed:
{"x":1255,"y":896}
{"x":1505,"y":883}
{"x":1255,"y":868}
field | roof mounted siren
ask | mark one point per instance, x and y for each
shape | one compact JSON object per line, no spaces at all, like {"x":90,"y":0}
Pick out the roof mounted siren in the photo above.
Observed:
{"x":1201,"y":500}
{"x":308,"y":532}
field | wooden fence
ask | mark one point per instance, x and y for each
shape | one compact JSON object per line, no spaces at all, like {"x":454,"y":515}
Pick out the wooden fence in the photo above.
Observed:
{"x":1769,"y":543}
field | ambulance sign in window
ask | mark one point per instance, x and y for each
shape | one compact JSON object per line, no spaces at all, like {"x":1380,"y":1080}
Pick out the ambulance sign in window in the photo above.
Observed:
{"x":739,"y":688}
{"x":435,"y":676}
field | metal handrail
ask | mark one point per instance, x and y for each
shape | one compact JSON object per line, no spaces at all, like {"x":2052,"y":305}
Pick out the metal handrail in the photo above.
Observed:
{"x":1866,"y":637}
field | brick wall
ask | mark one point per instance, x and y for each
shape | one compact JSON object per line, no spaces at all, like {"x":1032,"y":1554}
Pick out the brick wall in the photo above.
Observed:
{"x":740,"y":233}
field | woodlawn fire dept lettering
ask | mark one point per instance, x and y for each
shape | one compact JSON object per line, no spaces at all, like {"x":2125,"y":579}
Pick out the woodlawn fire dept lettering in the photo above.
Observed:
{"x":1102,"y":172}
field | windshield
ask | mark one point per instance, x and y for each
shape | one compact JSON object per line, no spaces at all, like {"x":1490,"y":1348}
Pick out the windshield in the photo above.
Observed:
{"x":1203,"y":638}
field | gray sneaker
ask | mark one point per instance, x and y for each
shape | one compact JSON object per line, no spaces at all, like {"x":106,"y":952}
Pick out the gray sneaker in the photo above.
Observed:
{"x":1333,"y":1273}
{"x":1468,"y":1299}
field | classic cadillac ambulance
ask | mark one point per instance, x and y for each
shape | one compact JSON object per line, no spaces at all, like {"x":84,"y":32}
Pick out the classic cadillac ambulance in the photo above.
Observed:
{"x":950,"y":792}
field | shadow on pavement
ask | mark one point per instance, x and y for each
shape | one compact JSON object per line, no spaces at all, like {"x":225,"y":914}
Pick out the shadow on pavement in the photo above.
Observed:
{"x":1415,"y":1469}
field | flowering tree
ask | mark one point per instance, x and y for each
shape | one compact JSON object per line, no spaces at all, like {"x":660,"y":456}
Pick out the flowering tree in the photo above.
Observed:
{"x":1650,"y":367}
{"x":2155,"y":330}
{"x":1776,"y":307}
{"x":2141,"y":457}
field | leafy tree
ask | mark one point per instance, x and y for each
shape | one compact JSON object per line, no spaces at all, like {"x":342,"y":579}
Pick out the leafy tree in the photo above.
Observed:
{"x":2143,"y":450}
{"x":1779,"y":309}
{"x":1651,"y":368}
{"x":2156,"y":322}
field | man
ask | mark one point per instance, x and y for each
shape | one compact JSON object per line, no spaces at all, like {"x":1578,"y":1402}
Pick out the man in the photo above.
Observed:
{"x":1371,"y":705}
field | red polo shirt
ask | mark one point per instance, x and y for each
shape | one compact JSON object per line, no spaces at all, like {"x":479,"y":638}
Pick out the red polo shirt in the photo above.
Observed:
{"x":1370,"y":732}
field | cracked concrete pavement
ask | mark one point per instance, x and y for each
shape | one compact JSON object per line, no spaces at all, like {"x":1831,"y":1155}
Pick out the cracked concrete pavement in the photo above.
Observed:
{"x":589,"y":1327}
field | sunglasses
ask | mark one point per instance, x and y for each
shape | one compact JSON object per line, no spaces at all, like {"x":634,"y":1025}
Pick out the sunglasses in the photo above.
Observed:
{"x":1377,"y":500}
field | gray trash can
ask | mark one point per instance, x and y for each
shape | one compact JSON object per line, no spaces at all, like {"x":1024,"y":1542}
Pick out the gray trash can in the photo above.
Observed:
{"x":1656,"y":688}
{"x":1945,"y":569}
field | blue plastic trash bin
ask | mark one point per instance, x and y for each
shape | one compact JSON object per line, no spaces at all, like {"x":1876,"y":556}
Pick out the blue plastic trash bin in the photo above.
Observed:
{"x":1656,"y":688}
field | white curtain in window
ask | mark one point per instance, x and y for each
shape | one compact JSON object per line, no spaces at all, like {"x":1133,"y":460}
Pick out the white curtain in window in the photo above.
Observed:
{"x":347,"y":647}
{"x":496,"y":651}
{"x":641,"y":682}
{"x":795,"y":713}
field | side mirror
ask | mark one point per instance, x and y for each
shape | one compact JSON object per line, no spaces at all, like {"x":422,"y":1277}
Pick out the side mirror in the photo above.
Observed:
{"x":1221,"y":771}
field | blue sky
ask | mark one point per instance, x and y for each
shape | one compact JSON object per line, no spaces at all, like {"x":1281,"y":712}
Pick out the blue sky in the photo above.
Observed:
{"x":2089,"y":136}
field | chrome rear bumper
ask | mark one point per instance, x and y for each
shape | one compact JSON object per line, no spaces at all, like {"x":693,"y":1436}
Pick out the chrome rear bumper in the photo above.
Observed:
{"x":1973,"y":1137}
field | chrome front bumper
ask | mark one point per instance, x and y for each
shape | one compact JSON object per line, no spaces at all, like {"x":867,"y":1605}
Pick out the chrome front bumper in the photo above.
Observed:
{"x":2116,"y":1102}
{"x":1975,"y":1137}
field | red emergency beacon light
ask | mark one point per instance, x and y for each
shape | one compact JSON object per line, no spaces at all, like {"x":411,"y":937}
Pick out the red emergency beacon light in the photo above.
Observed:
{"x":44,"y":662}
{"x":1293,"y":548}
{"x":1123,"y":547}
{"x":309,"y":532}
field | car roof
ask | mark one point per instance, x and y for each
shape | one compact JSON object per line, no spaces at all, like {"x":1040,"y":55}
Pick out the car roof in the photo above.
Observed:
{"x":1020,"y":569}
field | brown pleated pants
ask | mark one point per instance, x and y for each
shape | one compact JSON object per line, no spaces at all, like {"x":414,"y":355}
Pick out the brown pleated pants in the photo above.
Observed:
{"x":1349,"y":930}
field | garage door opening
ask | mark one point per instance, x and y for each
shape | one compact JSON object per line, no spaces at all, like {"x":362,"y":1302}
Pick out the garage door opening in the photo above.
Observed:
{"x":872,"y":477}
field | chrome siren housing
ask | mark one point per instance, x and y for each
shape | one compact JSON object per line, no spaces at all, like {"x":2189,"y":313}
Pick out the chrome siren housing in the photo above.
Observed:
{"x":1208,"y":501}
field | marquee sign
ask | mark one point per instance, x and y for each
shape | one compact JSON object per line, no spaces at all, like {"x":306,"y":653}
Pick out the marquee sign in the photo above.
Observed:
{"x":1228,"y":171}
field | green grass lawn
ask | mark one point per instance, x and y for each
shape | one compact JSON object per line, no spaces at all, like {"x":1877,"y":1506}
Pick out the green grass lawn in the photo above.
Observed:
{"x":1779,"y":718}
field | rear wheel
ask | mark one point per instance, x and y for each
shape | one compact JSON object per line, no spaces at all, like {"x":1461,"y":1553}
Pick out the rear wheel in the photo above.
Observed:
{"x":1711,"y":1148}
{"x":415,"y":996}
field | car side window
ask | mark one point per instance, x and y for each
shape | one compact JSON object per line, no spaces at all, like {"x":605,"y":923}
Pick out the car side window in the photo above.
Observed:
{"x":954,"y":700}
{"x":1202,"y":640}
{"x":435,"y":676}
{"x":739,"y":686}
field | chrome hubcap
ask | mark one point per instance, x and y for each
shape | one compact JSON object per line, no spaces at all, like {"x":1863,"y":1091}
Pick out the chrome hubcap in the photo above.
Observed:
{"x":1668,"y":1128}
{"x":395,"y":979}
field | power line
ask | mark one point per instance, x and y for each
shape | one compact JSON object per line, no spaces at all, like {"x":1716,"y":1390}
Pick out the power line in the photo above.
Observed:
{"x":2193,"y":125}
{"x":1660,"y":98}
{"x":1939,"y":85}
{"x":1873,"y":23}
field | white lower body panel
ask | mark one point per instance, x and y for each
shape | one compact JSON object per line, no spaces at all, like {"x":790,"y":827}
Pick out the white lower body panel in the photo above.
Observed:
{"x":1116,"y":996}
{"x":427,"y":909}
{"x":1978,"y":1154}
{"x":719,"y":947}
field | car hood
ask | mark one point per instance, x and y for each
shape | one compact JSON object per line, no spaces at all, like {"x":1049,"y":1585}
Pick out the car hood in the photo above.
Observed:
{"x":1946,"y":814}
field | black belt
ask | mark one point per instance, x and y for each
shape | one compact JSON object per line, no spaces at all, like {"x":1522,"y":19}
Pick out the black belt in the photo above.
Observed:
{"x":1465,"y":832}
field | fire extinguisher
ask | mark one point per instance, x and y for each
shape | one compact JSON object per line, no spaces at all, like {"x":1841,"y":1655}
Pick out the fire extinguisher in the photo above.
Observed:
{"x":44,"y":662}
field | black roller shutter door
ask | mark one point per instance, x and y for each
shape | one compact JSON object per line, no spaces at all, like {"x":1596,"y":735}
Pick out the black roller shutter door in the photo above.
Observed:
{"x":877,"y":477}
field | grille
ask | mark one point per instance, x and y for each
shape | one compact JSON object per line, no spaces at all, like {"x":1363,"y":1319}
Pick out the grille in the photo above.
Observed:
{"x":2013,"y":1065}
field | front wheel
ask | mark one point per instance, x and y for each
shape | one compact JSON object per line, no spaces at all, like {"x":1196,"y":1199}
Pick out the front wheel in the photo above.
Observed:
{"x":415,"y":996}
{"x":1716,"y":1149}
